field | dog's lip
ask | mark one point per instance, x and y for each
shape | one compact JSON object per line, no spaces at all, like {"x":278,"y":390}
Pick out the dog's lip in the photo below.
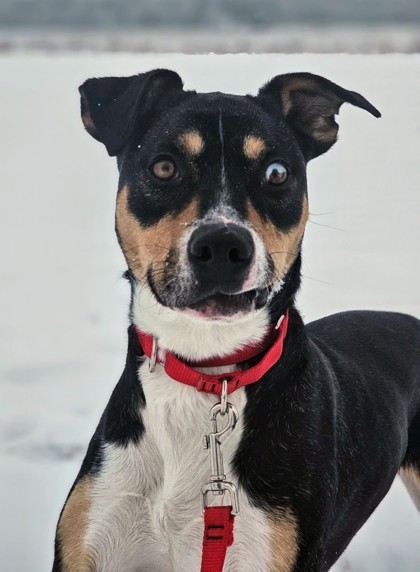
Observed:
{"x":218,"y":305}
{"x":223,"y":305}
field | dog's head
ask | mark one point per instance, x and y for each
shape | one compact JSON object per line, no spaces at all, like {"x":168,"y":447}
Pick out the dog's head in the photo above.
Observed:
{"x":212,"y":201}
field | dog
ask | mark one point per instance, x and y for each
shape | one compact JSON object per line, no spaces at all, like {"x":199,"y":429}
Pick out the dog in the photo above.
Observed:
{"x":312,"y":422}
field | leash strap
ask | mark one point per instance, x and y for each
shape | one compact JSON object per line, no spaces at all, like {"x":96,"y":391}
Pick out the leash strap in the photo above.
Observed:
{"x":218,"y":535}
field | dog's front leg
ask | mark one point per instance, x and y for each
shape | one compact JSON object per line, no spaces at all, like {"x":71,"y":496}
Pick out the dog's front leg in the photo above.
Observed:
{"x":71,"y":551}
{"x":107,"y":523}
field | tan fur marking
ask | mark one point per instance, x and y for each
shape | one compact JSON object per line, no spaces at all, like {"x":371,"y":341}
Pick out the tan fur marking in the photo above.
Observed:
{"x":284,"y":543}
{"x":191,"y":142}
{"x":317,"y":126}
{"x":254,"y":147}
{"x":87,"y":122}
{"x":297,"y":84}
{"x":322,"y":130}
{"x":283,"y":246}
{"x":87,"y":118}
{"x":75,"y":555}
{"x":410,"y":476}
{"x":144,"y":247}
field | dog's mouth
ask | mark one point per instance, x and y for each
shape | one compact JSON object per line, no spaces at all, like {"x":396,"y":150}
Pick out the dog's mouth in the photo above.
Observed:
{"x":213,"y":305}
{"x":221,"y":306}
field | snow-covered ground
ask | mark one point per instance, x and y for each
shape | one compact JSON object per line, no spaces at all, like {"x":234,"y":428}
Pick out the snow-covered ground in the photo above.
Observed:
{"x":63,"y":303}
{"x":287,"y":38}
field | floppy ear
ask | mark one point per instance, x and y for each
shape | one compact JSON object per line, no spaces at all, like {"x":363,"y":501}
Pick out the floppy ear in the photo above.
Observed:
{"x":113,"y":106}
{"x":309,"y":103}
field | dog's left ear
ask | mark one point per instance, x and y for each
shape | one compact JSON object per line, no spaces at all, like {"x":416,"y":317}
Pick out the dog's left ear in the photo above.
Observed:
{"x":309,"y":103}
{"x":113,"y":107}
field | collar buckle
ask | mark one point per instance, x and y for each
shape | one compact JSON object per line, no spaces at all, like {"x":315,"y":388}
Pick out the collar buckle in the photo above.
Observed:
{"x":218,"y":386}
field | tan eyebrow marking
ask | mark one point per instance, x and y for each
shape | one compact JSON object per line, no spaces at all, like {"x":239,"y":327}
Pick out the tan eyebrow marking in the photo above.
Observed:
{"x":254,"y":147}
{"x":191,"y":142}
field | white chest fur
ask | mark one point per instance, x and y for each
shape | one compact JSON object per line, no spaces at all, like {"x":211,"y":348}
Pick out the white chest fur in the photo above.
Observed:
{"x":146,"y":513}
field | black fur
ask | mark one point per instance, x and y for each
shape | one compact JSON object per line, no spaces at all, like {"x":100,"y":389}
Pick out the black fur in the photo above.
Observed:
{"x":328,"y":427}
{"x":326,"y":431}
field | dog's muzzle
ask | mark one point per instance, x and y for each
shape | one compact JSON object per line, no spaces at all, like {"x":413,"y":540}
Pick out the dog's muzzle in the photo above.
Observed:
{"x":221,"y":256}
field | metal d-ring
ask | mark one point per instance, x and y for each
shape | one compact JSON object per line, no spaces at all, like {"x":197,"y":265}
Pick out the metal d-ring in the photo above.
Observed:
{"x":220,"y":487}
{"x":224,"y":397}
{"x":153,"y":356}
{"x":279,"y":321}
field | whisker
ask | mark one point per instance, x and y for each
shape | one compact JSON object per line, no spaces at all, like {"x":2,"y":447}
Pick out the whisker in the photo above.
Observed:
{"x":317,"y":280}
{"x":281,"y":252}
{"x":155,"y":246}
{"x":328,"y":226}
{"x":321,"y":214}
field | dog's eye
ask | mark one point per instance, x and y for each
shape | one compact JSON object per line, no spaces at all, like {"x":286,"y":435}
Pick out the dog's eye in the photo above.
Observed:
{"x":276,"y":174}
{"x":164,"y":169}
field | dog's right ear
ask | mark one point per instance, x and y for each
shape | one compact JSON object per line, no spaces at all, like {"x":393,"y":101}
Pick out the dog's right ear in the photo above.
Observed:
{"x":309,"y":104}
{"x":112,"y":107}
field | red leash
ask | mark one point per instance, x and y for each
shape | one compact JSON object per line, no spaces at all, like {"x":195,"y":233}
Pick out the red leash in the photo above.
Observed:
{"x":219,"y":520}
{"x":218,"y":535}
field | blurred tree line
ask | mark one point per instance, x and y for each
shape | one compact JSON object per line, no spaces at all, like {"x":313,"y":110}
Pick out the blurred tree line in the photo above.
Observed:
{"x":204,"y":13}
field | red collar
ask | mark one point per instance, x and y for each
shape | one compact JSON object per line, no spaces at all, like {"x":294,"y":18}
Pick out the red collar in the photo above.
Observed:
{"x":184,"y":372}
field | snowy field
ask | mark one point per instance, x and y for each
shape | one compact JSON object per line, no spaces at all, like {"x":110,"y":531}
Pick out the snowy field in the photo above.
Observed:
{"x":286,"y":38}
{"x":63,"y":303}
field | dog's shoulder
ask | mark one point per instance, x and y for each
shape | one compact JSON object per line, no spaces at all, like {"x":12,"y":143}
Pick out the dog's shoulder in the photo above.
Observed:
{"x":378,"y":352}
{"x":358,"y":325}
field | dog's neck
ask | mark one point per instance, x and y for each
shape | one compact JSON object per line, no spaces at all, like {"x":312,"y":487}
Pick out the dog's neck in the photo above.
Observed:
{"x":195,"y":339}
{"x":198,"y":339}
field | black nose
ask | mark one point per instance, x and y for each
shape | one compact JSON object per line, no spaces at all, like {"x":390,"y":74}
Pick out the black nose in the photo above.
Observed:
{"x":221,"y":255}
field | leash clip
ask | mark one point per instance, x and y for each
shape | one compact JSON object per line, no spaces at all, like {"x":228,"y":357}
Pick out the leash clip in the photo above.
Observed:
{"x":218,"y":484}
